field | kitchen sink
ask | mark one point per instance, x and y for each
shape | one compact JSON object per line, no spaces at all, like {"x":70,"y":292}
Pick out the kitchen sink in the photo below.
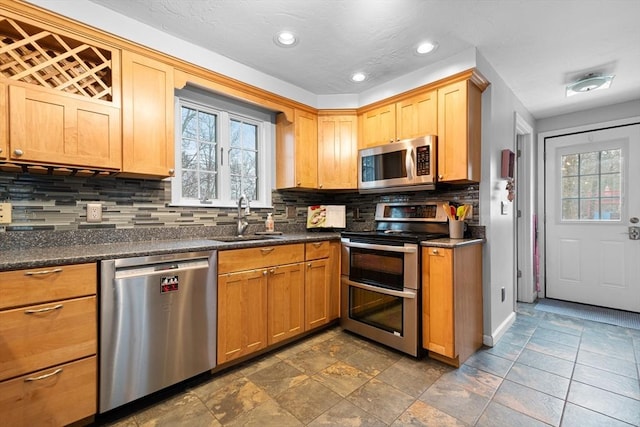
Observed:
{"x":247,"y":238}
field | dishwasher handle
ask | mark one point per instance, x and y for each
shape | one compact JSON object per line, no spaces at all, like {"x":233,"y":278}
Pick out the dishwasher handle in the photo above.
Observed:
{"x":159,"y":269}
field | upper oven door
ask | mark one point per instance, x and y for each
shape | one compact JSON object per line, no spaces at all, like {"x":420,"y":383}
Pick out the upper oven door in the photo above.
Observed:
{"x":387,"y":266}
{"x":398,"y":166}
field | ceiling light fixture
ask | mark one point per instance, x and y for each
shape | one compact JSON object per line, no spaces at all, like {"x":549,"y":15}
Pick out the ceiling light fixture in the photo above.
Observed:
{"x":285,"y":39}
{"x":589,"y":83}
{"x":359,"y":77}
{"x":426,"y":47}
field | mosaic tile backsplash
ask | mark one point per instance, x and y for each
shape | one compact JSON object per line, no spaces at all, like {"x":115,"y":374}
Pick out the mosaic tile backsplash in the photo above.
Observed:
{"x":44,"y":203}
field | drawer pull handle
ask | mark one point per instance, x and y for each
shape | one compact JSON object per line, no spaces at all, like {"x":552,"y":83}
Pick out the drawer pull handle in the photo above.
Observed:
{"x":45,"y":376}
{"x":42,"y":272}
{"x":266,"y":250}
{"x":43,"y":310}
{"x":317,"y":244}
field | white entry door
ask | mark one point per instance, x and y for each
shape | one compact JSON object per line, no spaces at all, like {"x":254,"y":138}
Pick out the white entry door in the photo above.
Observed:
{"x":592,"y":197}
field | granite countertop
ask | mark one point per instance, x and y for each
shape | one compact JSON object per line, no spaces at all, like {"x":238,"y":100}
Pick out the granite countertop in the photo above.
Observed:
{"x":32,"y":257}
{"x":451,"y":243}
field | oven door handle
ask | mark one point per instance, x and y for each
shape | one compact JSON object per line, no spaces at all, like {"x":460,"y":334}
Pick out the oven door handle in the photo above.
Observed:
{"x":387,"y":248}
{"x":385,"y":291}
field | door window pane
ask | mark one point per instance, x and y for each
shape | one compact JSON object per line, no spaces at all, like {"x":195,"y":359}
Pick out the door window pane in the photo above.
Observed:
{"x":591,"y":186}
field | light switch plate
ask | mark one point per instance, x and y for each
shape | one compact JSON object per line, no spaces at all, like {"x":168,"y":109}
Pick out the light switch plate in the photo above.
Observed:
{"x":94,"y":212}
{"x":5,"y":213}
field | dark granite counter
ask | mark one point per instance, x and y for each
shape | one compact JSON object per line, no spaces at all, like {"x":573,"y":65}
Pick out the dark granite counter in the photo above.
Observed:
{"x":32,"y":257}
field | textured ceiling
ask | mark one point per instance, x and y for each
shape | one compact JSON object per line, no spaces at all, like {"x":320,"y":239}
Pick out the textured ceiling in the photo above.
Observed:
{"x":536,"y":46}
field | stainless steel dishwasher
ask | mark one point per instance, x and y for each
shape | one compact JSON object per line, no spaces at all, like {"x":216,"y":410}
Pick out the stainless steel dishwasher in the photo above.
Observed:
{"x":157,"y":323}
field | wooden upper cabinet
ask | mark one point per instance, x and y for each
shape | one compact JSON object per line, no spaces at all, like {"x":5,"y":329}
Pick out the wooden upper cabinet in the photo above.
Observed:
{"x":52,"y":128}
{"x":337,"y":151}
{"x":378,"y":126}
{"x":297,"y":151}
{"x":417,"y":116}
{"x":411,"y":117}
{"x":148,"y":138}
{"x":459,"y":132}
{"x":63,"y":96}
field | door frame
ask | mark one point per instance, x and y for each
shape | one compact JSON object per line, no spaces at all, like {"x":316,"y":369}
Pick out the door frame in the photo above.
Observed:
{"x":524,"y":212}
{"x":542,"y":209}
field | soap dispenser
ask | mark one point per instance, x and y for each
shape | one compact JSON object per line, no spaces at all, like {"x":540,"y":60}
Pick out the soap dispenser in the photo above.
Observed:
{"x":268,"y":224}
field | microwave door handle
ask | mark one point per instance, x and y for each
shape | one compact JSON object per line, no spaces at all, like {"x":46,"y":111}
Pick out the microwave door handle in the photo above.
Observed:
{"x":402,"y":249}
{"x":409,"y":163}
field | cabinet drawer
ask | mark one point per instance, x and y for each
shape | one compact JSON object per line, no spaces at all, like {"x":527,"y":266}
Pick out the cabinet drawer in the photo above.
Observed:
{"x":38,"y":285}
{"x":39,"y":336}
{"x":252,"y":258}
{"x":67,"y":393}
{"x":317,"y":250}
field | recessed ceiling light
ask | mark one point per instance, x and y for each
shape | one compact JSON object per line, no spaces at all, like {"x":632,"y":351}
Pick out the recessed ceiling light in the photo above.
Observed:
{"x":426,"y":47}
{"x":285,"y":39}
{"x":359,"y":77}
{"x":589,"y":83}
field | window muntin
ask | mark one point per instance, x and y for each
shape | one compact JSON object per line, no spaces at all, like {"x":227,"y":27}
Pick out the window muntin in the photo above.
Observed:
{"x":591,"y":186}
{"x":223,"y":149}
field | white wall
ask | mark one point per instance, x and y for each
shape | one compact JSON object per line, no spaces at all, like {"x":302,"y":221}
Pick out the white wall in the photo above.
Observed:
{"x":588,"y":117}
{"x":498,"y":132}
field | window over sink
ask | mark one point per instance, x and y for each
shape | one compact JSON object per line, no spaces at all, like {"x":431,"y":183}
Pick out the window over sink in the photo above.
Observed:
{"x":224,"y":148}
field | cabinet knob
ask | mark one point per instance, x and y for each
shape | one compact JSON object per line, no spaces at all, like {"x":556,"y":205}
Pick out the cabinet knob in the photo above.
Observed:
{"x":18,"y":152}
{"x":435,"y":252}
{"x":309,"y":265}
{"x":264,"y":273}
{"x":320,"y":186}
{"x":0,"y":150}
{"x":172,"y":172}
{"x":298,"y":184}
{"x":440,"y":177}
{"x":273,"y":270}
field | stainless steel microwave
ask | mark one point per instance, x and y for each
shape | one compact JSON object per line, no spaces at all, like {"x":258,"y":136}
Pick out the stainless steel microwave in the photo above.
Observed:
{"x":406,"y":165}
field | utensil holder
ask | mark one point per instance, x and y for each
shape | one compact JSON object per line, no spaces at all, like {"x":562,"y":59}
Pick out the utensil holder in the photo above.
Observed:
{"x":456,"y":229}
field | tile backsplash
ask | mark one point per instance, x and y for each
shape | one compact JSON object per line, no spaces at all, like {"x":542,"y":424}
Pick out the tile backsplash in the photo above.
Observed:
{"x":58,"y":203}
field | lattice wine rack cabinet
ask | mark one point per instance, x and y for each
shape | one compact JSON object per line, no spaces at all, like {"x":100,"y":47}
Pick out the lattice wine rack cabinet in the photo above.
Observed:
{"x":37,"y":56}
{"x":63,"y":96}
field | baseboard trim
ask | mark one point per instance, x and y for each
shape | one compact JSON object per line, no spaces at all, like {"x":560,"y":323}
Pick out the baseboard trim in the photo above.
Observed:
{"x":491,"y":340}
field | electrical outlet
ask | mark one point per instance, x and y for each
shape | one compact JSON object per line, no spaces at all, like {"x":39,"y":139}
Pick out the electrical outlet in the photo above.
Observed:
{"x":94,"y":212}
{"x":5,"y":213}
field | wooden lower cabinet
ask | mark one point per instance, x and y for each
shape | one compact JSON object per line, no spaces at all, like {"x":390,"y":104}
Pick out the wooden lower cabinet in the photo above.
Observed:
{"x":260,"y":298}
{"x":242,"y":314}
{"x":286,"y":296}
{"x":322,"y":283}
{"x":55,"y":396}
{"x":48,"y":345}
{"x":317,"y":292}
{"x":452,"y":302}
{"x":271,"y":294}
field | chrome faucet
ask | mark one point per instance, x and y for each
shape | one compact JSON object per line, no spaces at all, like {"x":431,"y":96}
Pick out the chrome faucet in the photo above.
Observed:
{"x":242,"y":215}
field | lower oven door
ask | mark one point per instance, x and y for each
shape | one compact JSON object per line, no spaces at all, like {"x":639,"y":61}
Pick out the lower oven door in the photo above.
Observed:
{"x":383,"y":315}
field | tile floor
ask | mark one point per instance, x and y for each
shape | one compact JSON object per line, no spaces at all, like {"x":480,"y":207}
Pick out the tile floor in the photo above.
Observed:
{"x":547,"y":370}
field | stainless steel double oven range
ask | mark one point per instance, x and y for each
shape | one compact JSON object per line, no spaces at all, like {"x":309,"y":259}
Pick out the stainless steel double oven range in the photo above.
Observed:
{"x":381,"y":273}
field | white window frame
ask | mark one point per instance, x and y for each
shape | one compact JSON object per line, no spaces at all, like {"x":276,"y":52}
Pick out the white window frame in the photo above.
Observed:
{"x":226,"y":110}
